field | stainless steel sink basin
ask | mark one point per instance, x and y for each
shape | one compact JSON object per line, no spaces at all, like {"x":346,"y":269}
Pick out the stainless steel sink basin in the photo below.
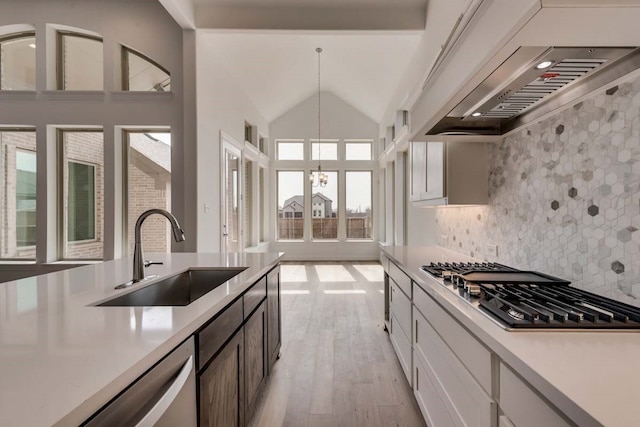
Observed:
{"x":180,"y":289}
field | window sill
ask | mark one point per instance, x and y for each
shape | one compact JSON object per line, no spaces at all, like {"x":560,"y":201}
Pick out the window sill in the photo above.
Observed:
{"x":141,"y":96}
{"x":18,"y":95}
{"x":73,"y":95}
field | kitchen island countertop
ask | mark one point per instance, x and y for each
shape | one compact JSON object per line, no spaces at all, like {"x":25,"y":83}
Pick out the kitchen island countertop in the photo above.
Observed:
{"x":591,"y":376}
{"x":62,"y":358}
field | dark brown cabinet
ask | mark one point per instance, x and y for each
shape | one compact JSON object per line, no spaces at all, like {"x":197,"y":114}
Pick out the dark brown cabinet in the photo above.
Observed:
{"x":274,"y":327}
{"x":234,"y":351}
{"x":221,"y":386}
{"x":255,"y":357}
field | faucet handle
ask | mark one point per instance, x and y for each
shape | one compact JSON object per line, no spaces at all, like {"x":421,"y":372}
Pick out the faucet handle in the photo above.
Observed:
{"x":147,"y":263}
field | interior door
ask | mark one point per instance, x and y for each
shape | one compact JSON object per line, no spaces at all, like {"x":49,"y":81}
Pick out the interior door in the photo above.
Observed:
{"x":231,"y":199}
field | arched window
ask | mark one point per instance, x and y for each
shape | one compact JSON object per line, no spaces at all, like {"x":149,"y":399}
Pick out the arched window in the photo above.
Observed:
{"x":18,"y":61}
{"x":80,"y":62}
{"x":140,"y":73}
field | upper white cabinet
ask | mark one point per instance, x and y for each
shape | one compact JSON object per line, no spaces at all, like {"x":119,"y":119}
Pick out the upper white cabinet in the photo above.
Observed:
{"x":449,"y":173}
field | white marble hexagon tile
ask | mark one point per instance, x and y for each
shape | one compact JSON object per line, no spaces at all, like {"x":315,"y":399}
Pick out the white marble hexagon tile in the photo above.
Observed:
{"x":564,"y":197}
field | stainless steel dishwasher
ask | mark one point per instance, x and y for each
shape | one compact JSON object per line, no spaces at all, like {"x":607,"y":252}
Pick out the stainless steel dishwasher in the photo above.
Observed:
{"x":163,"y":396}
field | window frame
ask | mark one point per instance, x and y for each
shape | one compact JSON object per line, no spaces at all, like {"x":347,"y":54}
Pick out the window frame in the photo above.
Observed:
{"x":293,"y":214}
{"x":32,"y":130}
{"x":124,"y":58}
{"x":371,"y":189}
{"x":341,"y":166}
{"x":126,"y":158}
{"x":60,"y":34}
{"x":10,"y":37}
{"x":62,"y":196}
{"x":94,"y":166}
{"x":35,"y":153}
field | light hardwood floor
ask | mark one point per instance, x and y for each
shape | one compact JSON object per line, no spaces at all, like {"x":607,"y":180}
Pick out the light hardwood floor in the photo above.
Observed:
{"x":337,"y":366}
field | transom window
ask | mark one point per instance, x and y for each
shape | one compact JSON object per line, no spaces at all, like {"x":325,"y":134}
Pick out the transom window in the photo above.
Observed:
{"x":290,"y":150}
{"x":324,"y":150}
{"x":18,"y":62}
{"x":358,"y":150}
{"x":140,"y":73}
{"x":80,"y":62}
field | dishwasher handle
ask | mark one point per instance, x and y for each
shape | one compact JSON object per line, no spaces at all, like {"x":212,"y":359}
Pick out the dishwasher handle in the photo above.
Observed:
{"x":165,"y":401}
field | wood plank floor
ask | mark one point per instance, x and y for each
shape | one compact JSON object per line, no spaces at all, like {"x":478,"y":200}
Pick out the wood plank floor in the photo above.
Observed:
{"x":337,"y":365}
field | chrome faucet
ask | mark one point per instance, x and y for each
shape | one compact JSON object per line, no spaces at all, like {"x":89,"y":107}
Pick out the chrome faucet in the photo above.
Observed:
{"x":138,"y":257}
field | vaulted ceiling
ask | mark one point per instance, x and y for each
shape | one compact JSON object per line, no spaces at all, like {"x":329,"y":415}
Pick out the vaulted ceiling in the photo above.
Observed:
{"x":268,"y":46}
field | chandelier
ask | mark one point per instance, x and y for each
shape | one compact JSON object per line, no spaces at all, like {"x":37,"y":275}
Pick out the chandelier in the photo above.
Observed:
{"x":322,"y":177}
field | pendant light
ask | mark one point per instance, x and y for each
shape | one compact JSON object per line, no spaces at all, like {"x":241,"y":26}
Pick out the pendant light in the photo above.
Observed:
{"x":322,"y":177}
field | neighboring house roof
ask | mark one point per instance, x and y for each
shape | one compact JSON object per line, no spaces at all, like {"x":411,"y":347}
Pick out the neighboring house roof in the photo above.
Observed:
{"x":299,"y":200}
{"x":322,"y":196}
{"x":156,"y":153}
{"x":295,"y":199}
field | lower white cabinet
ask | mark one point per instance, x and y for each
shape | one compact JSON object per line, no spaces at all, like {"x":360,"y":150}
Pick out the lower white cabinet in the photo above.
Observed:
{"x":463,"y":398}
{"x":429,"y":395}
{"x":456,"y":379}
{"x":523,"y":406}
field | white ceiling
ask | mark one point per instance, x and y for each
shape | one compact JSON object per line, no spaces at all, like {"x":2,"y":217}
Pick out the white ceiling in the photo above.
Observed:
{"x":280,"y":70}
{"x":313,"y":3}
{"x":268,"y":47}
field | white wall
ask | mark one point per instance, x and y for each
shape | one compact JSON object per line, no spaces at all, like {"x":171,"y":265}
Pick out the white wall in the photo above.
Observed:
{"x":221,"y":106}
{"x":339,"y":121}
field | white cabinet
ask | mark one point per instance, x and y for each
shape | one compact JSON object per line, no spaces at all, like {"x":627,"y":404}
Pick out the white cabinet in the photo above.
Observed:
{"x":523,"y":406}
{"x":449,"y":173}
{"x":400,"y":289}
{"x":400,"y":326}
{"x":456,"y":368}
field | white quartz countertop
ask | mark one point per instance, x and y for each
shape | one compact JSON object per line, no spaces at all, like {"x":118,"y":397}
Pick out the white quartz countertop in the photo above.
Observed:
{"x":61,"y":358}
{"x":593,"y":377}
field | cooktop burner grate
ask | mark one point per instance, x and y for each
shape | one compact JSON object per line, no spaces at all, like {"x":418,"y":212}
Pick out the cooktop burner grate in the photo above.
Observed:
{"x":445,"y":269}
{"x":533,"y":306}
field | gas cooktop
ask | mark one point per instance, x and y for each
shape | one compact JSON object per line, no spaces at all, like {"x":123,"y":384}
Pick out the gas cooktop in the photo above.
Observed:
{"x":527,"y":300}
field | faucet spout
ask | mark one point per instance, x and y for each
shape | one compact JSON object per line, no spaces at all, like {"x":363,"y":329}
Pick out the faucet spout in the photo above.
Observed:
{"x":138,"y":256}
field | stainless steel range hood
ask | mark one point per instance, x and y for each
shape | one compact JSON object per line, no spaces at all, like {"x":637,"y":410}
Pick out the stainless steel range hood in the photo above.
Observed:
{"x":523,"y":88}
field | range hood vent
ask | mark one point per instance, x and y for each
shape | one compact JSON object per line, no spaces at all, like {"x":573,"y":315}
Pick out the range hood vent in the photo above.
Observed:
{"x":533,"y":82}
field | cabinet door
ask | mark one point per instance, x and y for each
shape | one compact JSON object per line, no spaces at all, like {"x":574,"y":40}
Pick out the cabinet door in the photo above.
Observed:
{"x":255,"y":357}
{"x":418,"y":161}
{"x":427,"y":170}
{"x":435,"y":171}
{"x":222,"y":386}
{"x":274,"y":316}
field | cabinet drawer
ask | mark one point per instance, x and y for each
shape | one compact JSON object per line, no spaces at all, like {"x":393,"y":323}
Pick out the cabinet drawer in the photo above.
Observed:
{"x":523,"y":406}
{"x":400,"y":306}
{"x":398,"y":276}
{"x":428,"y":395}
{"x":402,"y":346}
{"x":254,"y":296}
{"x":218,"y":331}
{"x":473,"y":355}
{"x":465,"y":399}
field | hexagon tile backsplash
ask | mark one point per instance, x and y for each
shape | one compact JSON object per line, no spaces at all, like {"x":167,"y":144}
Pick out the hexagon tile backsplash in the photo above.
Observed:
{"x":564,"y":198}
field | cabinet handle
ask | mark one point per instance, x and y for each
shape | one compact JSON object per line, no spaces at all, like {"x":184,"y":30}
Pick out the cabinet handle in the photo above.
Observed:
{"x":161,"y":406}
{"x":416,"y":331}
{"x":417,"y":379}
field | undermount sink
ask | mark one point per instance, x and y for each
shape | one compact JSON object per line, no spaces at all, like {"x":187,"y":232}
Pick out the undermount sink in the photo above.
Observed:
{"x":180,"y":289}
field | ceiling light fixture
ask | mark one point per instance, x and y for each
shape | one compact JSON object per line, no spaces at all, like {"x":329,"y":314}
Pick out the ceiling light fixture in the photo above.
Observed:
{"x":544,"y":64}
{"x":476,"y":114}
{"x":322,"y":177}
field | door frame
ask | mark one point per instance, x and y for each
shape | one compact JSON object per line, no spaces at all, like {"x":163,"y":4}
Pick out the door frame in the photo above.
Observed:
{"x":229,"y":144}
